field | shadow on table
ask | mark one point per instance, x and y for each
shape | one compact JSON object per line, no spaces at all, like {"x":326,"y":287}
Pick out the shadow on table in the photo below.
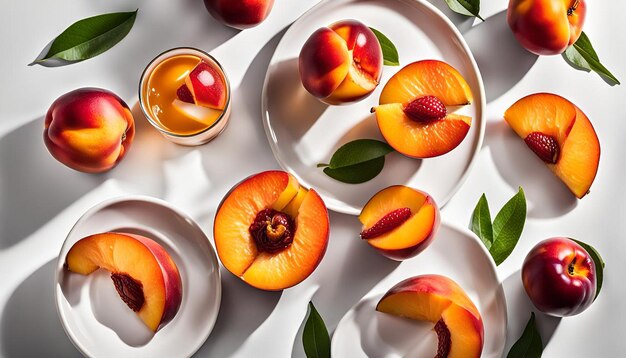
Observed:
{"x":357,"y":269}
{"x":548,"y":197}
{"x":243,"y":309}
{"x":503,"y":62}
{"x":34,"y":187}
{"x":30,"y":326}
{"x":519,"y":308}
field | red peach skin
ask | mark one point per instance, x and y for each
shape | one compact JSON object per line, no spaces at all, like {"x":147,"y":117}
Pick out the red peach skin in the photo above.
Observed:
{"x":89,"y":129}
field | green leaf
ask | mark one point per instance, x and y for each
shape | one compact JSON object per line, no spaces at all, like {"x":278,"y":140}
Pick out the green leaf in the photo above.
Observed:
{"x":390,"y":53}
{"x":315,"y":338}
{"x":481,"y":222}
{"x":90,"y":37}
{"x":357,"y":161}
{"x":529,"y":345}
{"x":359,"y":151}
{"x":582,"y":56}
{"x":465,"y":7}
{"x":358,"y":173}
{"x":599,"y":263}
{"x":508,"y":226}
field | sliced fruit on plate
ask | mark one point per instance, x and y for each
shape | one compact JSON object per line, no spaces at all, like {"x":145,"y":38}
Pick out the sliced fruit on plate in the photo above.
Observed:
{"x":561,"y":135}
{"x":144,"y":274}
{"x":400,"y":222}
{"x":206,"y":116}
{"x":207,"y":86}
{"x":268,"y":248}
{"x":341,"y":63}
{"x":440,"y":300}
{"x":413,"y":115}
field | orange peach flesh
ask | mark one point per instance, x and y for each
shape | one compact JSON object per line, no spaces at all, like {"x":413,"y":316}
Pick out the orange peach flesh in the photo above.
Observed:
{"x":237,"y":249}
{"x":416,"y":80}
{"x":127,"y":254}
{"x":413,"y":231}
{"x":553,"y":115}
{"x":433,"y":298}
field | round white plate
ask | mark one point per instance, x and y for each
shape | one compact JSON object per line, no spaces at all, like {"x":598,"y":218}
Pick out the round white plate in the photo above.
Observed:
{"x":456,"y":253}
{"x":303,"y":131}
{"x":100,"y":324}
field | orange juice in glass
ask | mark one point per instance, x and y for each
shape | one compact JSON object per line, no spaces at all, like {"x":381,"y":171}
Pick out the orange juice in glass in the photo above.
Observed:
{"x":185,"y":94}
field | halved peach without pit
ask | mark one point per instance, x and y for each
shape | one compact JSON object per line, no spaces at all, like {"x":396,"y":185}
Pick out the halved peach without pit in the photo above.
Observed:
{"x":271,"y":232}
{"x":400,"y":222}
{"x":561,"y":135}
{"x":412,"y":136}
{"x":144,"y":274}
{"x":440,"y":300}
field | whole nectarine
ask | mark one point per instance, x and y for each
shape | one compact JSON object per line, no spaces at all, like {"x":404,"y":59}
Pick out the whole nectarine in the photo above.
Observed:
{"x":546,"y":27}
{"x":559,"y":276}
{"x":89,"y":129}
{"x":240,"y":14}
{"x":341,"y":63}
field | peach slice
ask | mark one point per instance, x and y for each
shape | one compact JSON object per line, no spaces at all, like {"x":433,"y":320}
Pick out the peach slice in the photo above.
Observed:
{"x":144,"y":274}
{"x":204,"y":115}
{"x":207,"y":86}
{"x":268,"y":248}
{"x":561,"y":135}
{"x":442,"y":301}
{"x":412,"y":116}
{"x":341,"y":63}
{"x":407,"y":236}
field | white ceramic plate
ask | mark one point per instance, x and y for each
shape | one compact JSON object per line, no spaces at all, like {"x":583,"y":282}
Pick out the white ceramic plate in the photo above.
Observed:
{"x":100,"y":324}
{"x":456,"y":253}
{"x":302,"y":131}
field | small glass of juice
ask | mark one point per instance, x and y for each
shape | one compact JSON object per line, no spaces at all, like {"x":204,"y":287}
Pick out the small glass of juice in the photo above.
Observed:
{"x":185,"y":94}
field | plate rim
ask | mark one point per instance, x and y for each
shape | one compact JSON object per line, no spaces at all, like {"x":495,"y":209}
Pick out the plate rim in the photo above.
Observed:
{"x":269,"y":133}
{"x":499,"y":292}
{"x":128,"y":198}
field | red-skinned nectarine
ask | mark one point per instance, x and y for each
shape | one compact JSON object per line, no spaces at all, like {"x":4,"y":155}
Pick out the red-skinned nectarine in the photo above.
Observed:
{"x":89,"y":129}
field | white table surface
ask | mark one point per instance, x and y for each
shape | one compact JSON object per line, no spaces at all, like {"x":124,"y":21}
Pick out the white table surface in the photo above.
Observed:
{"x":40,"y":198}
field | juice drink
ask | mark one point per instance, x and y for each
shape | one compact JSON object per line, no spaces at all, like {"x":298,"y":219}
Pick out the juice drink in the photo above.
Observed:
{"x":185,"y":94}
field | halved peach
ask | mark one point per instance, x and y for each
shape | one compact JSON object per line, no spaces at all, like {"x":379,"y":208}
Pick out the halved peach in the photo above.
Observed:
{"x":341,"y":63}
{"x":400,"y":222}
{"x":268,"y":248}
{"x":439,"y":300}
{"x":144,"y":274}
{"x":413,"y":115}
{"x":561,"y":135}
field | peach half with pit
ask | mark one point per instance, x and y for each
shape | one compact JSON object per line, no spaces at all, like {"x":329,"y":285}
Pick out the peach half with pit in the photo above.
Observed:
{"x":413,"y":115}
{"x":144,"y":274}
{"x":270,"y":231}
{"x":400,"y":222}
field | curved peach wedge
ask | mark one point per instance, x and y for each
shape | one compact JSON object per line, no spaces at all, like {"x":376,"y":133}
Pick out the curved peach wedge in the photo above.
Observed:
{"x":341,"y":63}
{"x":271,"y":232}
{"x":413,"y":116}
{"x":442,"y":301}
{"x":561,"y":135}
{"x":400,"y":222}
{"x":144,"y":274}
